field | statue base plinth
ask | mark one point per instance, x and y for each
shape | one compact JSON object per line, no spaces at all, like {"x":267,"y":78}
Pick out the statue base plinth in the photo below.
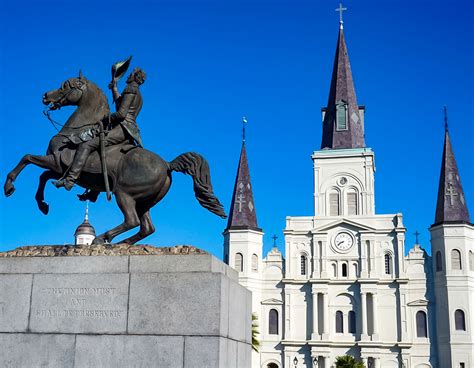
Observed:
{"x":178,"y":307}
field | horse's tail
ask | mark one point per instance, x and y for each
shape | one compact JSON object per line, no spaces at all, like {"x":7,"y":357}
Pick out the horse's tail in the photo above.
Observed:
{"x":194,"y":164}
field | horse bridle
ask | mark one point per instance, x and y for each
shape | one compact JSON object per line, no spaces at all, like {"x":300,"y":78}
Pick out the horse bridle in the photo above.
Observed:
{"x":78,"y":85}
{"x":59,"y":103}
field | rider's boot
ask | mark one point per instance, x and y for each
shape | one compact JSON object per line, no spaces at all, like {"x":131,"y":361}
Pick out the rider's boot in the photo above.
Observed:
{"x":75,"y":170}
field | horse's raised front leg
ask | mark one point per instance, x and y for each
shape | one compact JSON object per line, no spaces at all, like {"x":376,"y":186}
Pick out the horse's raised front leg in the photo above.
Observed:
{"x":127,"y":205}
{"x":44,"y":177}
{"x":46,"y":162}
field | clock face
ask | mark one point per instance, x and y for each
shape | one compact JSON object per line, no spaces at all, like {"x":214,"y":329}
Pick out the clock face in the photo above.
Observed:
{"x":343,"y":241}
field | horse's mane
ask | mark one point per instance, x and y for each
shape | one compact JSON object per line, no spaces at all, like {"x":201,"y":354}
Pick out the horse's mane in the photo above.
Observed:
{"x":102,"y":102}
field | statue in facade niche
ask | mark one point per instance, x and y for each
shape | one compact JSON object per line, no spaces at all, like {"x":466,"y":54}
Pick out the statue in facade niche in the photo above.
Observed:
{"x":103,"y":152}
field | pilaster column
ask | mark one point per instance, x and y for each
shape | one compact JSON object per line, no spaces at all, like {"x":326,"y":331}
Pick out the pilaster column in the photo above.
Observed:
{"x":376,"y":362}
{"x":315,"y":271}
{"x":365,"y":361}
{"x":315,"y":334}
{"x":287,"y":316}
{"x":363,"y":311}
{"x":363,"y":258}
{"x":326,"y":316}
{"x":324,"y":273}
{"x":374,"y":317}
{"x":326,"y":362}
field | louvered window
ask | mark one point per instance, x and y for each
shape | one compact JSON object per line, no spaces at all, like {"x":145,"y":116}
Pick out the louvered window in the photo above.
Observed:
{"x":388,"y":264}
{"x":303,"y":265}
{"x":334,"y":204}
{"x":421,"y":330}
{"x":239,"y":264}
{"x":352,"y":203}
{"x":273,"y":322}
{"x":459,"y":320}
{"x":339,"y":322}
{"x":456,"y":259}
{"x":352,"y":322}
{"x":254,"y":263}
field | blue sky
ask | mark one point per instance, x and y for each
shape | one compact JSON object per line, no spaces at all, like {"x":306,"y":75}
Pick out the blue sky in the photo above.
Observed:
{"x":211,"y":62}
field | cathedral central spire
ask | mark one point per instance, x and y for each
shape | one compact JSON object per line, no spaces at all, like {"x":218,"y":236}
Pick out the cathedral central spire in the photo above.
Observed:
{"x":343,"y":125}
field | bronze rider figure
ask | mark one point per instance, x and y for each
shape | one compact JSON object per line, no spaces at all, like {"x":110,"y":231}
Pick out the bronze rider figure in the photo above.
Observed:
{"x":123,"y":125}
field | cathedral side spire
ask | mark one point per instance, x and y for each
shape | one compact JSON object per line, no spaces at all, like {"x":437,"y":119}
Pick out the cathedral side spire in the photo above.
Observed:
{"x":343,"y":121}
{"x":242,"y":210}
{"x":451,"y":206}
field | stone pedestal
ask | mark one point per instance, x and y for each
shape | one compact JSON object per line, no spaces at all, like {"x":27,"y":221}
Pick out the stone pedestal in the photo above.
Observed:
{"x":166,"y":310}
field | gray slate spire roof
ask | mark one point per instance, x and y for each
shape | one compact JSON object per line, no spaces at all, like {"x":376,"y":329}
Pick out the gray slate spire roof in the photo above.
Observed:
{"x":342,"y":92}
{"x":242,"y":210}
{"x":451,"y":206}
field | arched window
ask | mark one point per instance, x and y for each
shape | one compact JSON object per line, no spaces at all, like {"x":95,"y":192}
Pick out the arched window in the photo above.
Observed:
{"x":456,"y":260}
{"x":272,"y":365}
{"x":421,"y":330}
{"x":334,"y":270}
{"x":352,"y":203}
{"x":439,"y":262}
{"x":388,"y":264}
{"x":339,"y":322}
{"x":352,"y":322}
{"x":254,"y":263}
{"x":471,"y":261}
{"x":303,"y":265}
{"x":273,"y":322}
{"x":239,"y":262}
{"x":354,"y":266}
{"x":344,"y":270}
{"x":459,"y":320}
{"x":334,"y":204}
{"x":341,"y":115}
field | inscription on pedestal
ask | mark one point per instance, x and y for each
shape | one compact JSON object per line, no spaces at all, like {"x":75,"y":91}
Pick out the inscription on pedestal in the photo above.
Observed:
{"x":79,"y":303}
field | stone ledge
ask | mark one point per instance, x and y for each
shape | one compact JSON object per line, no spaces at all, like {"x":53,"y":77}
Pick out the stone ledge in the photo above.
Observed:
{"x":120,"y":249}
{"x":117,"y":351}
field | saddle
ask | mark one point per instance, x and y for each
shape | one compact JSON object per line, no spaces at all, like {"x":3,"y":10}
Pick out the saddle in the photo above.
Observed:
{"x":113,"y":155}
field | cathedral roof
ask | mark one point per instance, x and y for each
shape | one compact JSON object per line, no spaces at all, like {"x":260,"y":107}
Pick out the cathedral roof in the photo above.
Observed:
{"x":451,"y":206}
{"x":242,"y":210}
{"x":342,"y":96}
{"x":85,"y":228}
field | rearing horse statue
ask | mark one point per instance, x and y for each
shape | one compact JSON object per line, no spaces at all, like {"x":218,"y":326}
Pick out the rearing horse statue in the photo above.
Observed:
{"x":138,"y":178}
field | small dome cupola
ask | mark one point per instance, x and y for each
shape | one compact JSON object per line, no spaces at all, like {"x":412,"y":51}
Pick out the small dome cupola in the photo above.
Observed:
{"x":85,"y":232}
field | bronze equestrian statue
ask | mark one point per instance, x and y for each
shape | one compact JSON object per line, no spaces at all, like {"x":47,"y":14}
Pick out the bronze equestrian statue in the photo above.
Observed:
{"x":138,"y":178}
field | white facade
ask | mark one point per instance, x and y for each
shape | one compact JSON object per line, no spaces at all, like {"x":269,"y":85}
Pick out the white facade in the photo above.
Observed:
{"x":346,"y":286}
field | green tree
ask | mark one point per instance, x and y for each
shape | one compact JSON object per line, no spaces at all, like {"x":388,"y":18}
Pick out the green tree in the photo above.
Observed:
{"x":347,"y":361}
{"x":255,"y":341}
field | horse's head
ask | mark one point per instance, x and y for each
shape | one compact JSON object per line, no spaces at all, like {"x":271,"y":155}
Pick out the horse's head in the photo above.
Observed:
{"x":70,"y":93}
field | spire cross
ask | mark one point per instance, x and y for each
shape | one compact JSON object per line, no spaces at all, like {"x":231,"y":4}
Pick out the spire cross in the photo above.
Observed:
{"x":450,"y":192}
{"x":274,"y":237}
{"x":445,"y":118}
{"x":244,"y":121}
{"x":240,"y":200}
{"x":340,"y":10}
{"x":416,"y":233}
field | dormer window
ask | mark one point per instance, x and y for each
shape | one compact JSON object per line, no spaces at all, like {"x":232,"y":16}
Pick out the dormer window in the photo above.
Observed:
{"x":341,"y":115}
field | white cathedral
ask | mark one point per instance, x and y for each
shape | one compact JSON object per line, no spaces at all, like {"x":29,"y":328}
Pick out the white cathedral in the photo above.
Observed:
{"x":346,"y":285}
